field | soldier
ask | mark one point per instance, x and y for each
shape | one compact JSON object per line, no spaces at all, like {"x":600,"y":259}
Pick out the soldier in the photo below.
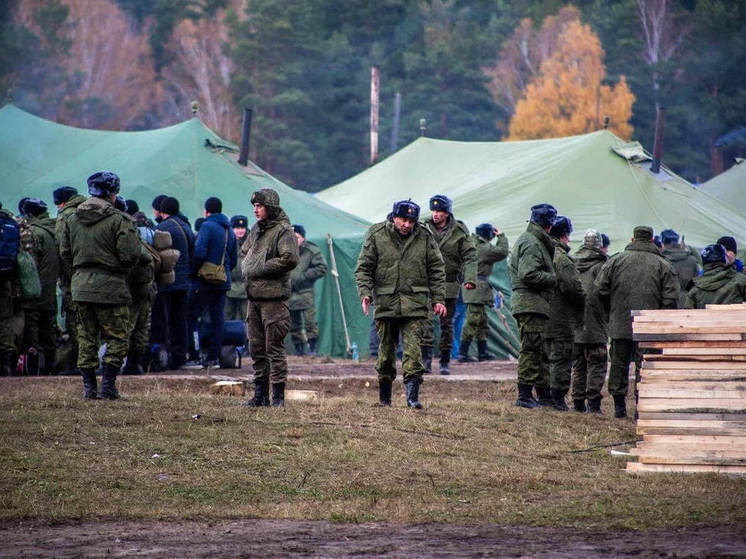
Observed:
{"x":681,"y":259}
{"x":311,"y":267}
{"x":479,"y":299}
{"x":269,"y":255}
{"x":100,"y":245}
{"x":590,"y":354}
{"x":731,"y":250}
{"x":9,"y":290}
{"x":565,"y":311}
{"x":40,"y":328}
{"x":145,"y":227}
{"x":400,"y":269}
{"x":636,"y":278}
{"x":719,"y":284}
{"x":460,"y":259}
{"x":533,"y":279}
{"x":236,"y":302}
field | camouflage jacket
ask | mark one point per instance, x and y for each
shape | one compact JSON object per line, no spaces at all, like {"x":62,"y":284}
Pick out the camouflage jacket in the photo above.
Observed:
{"x":311,"y":267}
{"x":47,"y":260}
{"x":594,"y":326}
{"x":238,"y":285}
{"x":487,"y":255}
{"x":458,"y":252}
{"x":719,"y":284}
{"x":60,"y":228}
{"x":568,"y":299}
{"x":686,"y":267}
{"x":532,"y":272}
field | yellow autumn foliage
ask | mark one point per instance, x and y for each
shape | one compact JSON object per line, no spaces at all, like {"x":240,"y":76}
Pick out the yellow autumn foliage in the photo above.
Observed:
{"x":567,"y":97}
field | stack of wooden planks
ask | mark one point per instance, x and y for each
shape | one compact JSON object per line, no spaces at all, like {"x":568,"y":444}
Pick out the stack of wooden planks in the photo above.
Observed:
{"x":692,"y":392}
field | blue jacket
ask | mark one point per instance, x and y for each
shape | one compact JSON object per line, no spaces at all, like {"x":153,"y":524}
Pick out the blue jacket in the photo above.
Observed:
{"x":182,"y":238}
{"x":209,"y":246}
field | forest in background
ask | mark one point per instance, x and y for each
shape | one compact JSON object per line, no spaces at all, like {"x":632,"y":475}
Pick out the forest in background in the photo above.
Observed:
{"x":474,"y":70}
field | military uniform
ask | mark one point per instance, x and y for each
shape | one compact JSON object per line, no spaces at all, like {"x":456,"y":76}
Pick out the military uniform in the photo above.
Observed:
{"x":636,"y":278}
{"x":236,"y":302}
{"x":686,"y":266}
{"x":10,"y":312}
{"x":311,"y":267}
{"x":719,"y":284}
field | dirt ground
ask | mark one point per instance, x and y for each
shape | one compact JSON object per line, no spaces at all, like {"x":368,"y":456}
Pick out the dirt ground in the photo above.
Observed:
{"x":282,"y":538}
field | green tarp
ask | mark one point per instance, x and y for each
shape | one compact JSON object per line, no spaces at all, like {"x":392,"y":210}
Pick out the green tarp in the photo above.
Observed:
{"x":730,"y":188}
{"x":186,"y":161}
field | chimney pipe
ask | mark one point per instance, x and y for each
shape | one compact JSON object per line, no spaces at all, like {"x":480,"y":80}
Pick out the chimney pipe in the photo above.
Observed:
{"x":374,"y":93}
{"x":243,"y":156}
{"x":395,"y":127}
{"x":658,"y":143}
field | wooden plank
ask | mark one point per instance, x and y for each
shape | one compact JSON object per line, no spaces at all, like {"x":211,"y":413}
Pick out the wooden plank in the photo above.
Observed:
{"x":691,"y":365}
{"x":690,"y":459}
{"x":674,"y":375}
{"x":672,"y":390}
{"x":710,"y":309}
{"x":694,"y":439}
{"x":692,"y":423}
{"x":694,"y":358}
{"x":690,"y":450}
{"x":695,"y":384}
{"x":725,"y":306}
{"x":672,"y":416}
{"x":696,"y":406}
{"x":637,"y":467}
{"x":659,"y":328}
{"x":686,"y":337}
{"x":700,"y":431}
{"x":689,"y":344}
{"x":692,"y":351}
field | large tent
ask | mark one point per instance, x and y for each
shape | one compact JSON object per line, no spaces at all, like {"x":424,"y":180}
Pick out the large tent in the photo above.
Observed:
{"x":730,"y":188}
{"x":188,"y":161}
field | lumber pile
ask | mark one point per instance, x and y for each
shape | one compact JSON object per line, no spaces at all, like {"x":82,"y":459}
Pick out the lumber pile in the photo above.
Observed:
{"x":692,"y":392}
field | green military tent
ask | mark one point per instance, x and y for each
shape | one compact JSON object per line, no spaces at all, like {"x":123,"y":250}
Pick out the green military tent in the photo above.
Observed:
{"x":596,"y":179}
{"x":730,"y":188}
{"x":188,"y":161}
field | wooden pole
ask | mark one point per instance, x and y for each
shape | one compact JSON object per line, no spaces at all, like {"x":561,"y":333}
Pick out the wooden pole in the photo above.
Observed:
{"x":335,"y":275}
{"x":374,"y":92}
{"x":395,"y":127}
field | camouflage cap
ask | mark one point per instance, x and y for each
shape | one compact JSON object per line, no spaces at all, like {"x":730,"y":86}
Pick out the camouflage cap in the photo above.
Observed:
{"x":593,"y":239}
{"x":643,"y":233}
{"x":266,"y":197}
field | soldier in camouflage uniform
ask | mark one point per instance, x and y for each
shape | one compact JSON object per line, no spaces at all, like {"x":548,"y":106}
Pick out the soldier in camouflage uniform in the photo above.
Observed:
{"x":565,"y":310}
{"x":236,"y":301}
{"x":460,"y":259}
{"x":100,"y":246}
{"x":533,"y":279}
{"x":268,"y":256}
{"x":400,"y":269}
{"x":685,"y":264}
{"x":479,"y":299}
{"x":719,"y":284}
{"x":10,"y":298}
{"x":590,"y":352}
{"x":636,"y":278}
{"x":40,"y":328}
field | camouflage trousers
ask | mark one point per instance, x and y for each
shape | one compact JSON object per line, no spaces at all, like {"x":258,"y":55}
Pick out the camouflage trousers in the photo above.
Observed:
{"x":559,"y":358}
{"x":139,"y":325}
{"x":39,"y":330}
{"x":623,"y":352}
{"x":532,"y":359}
{"x":411,"y":330}
{"x":10,"y":311}
{"x":303,"y":325}
{"x":102,"y":324}
{"x":268,"y":322}
{"x":235,"y":309}
{"x":446,"y":328}
{"x":476,"y":327}
{"x":590,"y":362}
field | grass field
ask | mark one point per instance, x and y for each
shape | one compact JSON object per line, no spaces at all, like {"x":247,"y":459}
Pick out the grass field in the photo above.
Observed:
{"x":470,"y":457}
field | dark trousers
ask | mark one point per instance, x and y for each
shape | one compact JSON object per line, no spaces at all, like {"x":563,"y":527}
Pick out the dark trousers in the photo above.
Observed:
{"x":168,"y":325}
{"x":623,"y":352}
{"x":214,"y":301}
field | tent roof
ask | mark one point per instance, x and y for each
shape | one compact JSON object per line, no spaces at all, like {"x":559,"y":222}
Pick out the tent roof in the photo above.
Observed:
{"x":498,"y":182}
{"x":37,"y":155}
{"x":729,"y":187}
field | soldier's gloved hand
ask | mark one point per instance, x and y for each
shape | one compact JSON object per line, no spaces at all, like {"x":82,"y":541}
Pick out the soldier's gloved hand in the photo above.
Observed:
{"x":366,"y":305}
{"x":469,"y":285}
{"x":439,"y":309}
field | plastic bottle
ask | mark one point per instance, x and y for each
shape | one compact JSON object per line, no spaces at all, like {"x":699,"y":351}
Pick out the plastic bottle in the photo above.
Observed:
{"x":355,"y":355}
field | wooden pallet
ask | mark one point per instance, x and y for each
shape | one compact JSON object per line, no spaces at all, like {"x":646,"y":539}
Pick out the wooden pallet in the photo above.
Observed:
{"x":692,"y":391}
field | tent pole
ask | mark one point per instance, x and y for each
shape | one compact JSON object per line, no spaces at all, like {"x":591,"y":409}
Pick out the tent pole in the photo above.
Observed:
{"x":335,"y":273}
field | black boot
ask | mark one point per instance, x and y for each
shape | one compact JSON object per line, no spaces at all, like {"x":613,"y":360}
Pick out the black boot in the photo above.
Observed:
{"x":445,"y":361}
{"x":620,"y":406}
{"x":109,"y":383}
{"x":558,"y":400}
{"x":300,"y":348}
{"x":32,"y":362}
{"x":525,"y":398}
{"x":578,"y":405}
{"x":463,"y":351}
{"x":594,"y":405}
{"x":132,"y":365}
{"x":90,"y":391}
{"x":312,"y":347}
{"x":7,"y":364}
{"x":384,"y":392}
{"x":278,"y":395}
{"x":427,"y":358}
{"x":545,"y":399}
{"x":413,"y":394}
{"x":261,"y":394}
{"x":484,"y":355}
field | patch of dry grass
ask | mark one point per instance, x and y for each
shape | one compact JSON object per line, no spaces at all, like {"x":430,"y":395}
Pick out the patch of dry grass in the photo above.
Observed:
{"x":469,"y":457}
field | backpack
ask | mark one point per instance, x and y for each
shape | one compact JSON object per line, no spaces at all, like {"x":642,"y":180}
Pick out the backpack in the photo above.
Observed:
{"x":10,"y":237}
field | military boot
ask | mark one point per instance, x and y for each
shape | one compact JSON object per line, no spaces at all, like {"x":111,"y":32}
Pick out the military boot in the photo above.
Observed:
{"x":384,"y":392}
{"x":413,"y":394}
{"x":525,"y":398}
{"x":463,"y":351}
{"x":484,"y":355}
{"x":427,"y":358}
{"x":594,"y":405}
{"x":558,"y":400}
{"x":620,"y":406}
{"x":132,"y":365}
{"x":109,"y":384}
{"x":300,"y":348}
{"x":445,"y":363}
{"x":261,"y":395}
{"x":7,"y":364}
{"x":545,"y":398}
{"x":578,"y":404}
{"x":90,"y":391}
{"x":71,"y":365}
{"x":312,"y":347}
{"x":278,"y":395}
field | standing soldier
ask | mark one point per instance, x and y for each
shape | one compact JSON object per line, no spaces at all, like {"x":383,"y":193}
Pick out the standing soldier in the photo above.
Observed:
{"x":533,"y":278}
{"x":100,"y":246}
{"x":719,"y":284}
{"x":477,"y":300}
{"x":311,"y":267}
{"x":637,"y":278}
{"x":9,"y":290}
{"x":67,"y":200}
{"x":39,"y":331}
{"x":685,"y":264}
{"x":590,"y":354}
{"x":460,"y":259}
{"x":269,"y":255}
{"x":400,"y":269}
{"x":236,"y":302}
{"x":565,"y":310}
